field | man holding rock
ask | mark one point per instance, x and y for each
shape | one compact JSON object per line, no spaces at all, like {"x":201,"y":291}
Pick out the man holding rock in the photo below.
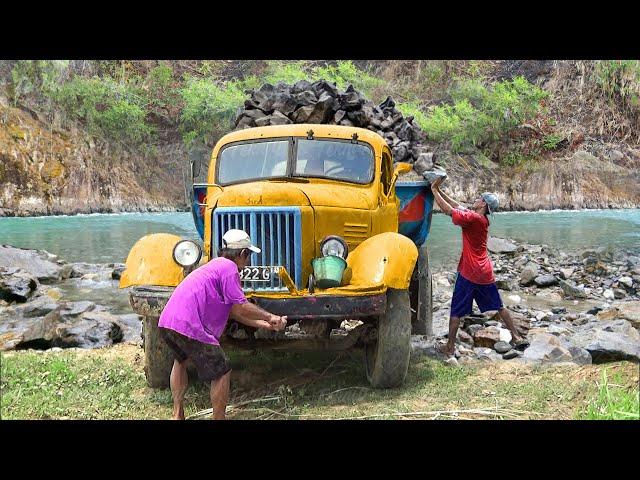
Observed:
{"x":196,"y":315}
{"x":475,"y":279}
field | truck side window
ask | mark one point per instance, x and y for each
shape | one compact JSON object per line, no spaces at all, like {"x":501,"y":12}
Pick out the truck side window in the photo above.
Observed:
{"x":385,"y":177}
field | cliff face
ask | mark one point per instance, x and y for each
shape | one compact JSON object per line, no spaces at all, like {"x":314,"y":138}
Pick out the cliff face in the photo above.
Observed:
{"x":49,"y":172}
{"x":46,"y":170}
{"x":581,"y":180}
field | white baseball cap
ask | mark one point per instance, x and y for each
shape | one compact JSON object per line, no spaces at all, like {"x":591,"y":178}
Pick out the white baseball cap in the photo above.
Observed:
{"x":237,"y":239}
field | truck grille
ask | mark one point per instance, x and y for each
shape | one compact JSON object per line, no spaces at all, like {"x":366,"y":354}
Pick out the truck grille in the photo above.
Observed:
{"x":275,"y":230}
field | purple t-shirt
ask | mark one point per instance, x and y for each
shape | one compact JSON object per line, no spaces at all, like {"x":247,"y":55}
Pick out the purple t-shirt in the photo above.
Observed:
{"x":199,"y":307}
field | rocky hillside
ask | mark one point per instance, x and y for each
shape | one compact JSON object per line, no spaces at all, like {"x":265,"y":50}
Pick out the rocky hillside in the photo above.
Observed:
{"x":110,"y":136}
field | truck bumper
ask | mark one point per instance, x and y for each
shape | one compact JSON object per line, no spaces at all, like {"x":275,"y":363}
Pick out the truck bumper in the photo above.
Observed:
{"x":151,"y":300}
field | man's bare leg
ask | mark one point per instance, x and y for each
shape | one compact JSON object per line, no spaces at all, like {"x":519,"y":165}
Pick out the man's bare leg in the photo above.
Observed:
{"x":449,"y":348}
{"x":220,"y":396}
{"x":508,"y":321}
{"x":179,"y":382}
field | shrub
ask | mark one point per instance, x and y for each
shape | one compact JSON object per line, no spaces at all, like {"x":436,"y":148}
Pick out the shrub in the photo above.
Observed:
{"x":620,"y":81}
{"x":209,"y":107}
{"x":479,"y":115}
{"x":345,"y":73}
{"x":551,"y":141}
{"x":32,"y":75}
{"x":287,"y":72}
{"x":108,"y":108}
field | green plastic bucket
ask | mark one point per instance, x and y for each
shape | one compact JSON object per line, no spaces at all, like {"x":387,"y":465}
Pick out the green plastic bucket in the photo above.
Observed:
{"x":328,"y":271}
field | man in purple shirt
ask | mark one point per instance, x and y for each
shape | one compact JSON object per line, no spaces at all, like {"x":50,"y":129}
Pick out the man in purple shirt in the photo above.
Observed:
{"x":196,"y":315}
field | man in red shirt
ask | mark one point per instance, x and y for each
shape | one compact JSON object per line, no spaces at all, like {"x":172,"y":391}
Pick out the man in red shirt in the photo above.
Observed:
{"x":475,"y":272}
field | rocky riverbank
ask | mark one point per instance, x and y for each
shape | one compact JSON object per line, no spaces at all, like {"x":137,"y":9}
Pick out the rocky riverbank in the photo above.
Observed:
{"x":579,"y":307}
{"x":34,"y":310}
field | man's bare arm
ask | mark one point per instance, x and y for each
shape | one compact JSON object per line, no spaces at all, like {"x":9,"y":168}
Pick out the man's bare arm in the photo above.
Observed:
{"x":444,"y":206}
{"x":254,"y":316}
{"x":450,"y":200}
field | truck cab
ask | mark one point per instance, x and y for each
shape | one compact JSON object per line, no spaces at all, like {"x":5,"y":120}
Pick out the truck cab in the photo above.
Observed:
{"x":303,"y":193}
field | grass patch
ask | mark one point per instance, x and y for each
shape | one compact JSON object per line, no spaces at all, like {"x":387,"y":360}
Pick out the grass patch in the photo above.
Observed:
{"x":615,"y":401}
{"x":109,"y":384}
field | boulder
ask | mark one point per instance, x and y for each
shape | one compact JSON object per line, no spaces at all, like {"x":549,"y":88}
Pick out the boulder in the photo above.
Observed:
{"x":39,"y":333}
{"x":16,"y":285}
{"x":117,"y":271}
{"x":546,"y":280}
{"x":571,"y":291}
{"x":38,"y":307}
{"x":626,"y":281}
{"x":486,"y":354}
{"x":486,"y":337}
{"x":464,"y":337}
{"x":500,"y":245}
{"x":73,"y":309}
{"x":93,"y":330}
{"x":528,"y":274}
{"x":502,"y":347}
{"x":609,"y":341}
{"x":512,"y":354}
{"x":36,"y":263}
{"x":566,"y":273}
{"x":608,"y":294}
{"x":630,"y":311}
{"x":278,"y":118}
{"x":545,"y":347}
{"x":131,"y":327}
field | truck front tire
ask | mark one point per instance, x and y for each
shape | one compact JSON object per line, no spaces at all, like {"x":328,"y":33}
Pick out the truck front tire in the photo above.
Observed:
{"x":387,"y":358}
{"x":158,"y":358}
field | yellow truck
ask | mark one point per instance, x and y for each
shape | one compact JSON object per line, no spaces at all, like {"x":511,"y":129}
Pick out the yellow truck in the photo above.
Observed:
{"x":304,"y":193}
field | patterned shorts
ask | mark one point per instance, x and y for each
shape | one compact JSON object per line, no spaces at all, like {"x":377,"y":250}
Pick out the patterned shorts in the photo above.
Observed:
{"x":210,"y":360}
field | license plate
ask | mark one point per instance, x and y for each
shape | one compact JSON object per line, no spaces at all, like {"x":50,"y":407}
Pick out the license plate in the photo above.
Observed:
{"x":258,"y":273}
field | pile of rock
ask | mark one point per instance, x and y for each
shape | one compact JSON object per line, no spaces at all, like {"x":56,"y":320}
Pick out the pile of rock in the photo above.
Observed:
{"x":587,"y":274}
{"x":578,"y":325}
{"x":322,"y":102}
{"x":34,"y":315}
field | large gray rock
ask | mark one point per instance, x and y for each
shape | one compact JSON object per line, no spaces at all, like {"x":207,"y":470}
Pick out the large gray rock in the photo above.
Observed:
{"x":36,"y":263}
{"x":73,"y":309}
{"x":528,"y":274}
{"x":546,"y":280}
{"x":93,"y":330}
{"x":630,"y":311}
{"x":571,"y":291}
{"x":500,"y":245}
{"x":131,"y":327}
{"x":39,"y":333}
{"x":16,"y":285}
{"x":609,"y":341}
{"x":547,"y":348}
{"x":38,"y":307}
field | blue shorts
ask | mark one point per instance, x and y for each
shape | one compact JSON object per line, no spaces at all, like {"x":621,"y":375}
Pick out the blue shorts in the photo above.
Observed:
{"x":465,"y":292}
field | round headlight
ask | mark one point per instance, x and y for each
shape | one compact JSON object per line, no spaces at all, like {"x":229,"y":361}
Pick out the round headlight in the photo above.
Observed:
{"x":187,"y":253}
{"x":334,"y":245}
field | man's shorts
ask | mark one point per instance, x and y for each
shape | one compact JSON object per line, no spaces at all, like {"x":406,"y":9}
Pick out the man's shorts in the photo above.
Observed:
{"x":210,"y":360}
{"x":465,"y":292}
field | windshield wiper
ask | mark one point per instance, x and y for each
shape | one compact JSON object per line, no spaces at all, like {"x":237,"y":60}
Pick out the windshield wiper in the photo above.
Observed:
{"x":289,"y":179}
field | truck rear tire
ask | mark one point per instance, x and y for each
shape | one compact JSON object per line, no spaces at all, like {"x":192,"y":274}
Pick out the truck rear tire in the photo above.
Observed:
{"x":158,"y":358}
{"x":387,"y":357}
{"x":422,"y":298}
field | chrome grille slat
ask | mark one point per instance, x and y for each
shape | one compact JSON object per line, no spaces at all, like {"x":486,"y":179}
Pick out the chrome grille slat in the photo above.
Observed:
{"x":264,"y":225}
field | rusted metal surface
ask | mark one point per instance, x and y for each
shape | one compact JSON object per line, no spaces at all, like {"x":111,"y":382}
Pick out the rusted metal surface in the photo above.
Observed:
{"x":326,"y":306}
{"x":149,"y":300}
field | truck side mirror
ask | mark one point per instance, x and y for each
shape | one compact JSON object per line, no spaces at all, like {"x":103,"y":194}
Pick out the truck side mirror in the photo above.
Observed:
{"x":196,"y":155}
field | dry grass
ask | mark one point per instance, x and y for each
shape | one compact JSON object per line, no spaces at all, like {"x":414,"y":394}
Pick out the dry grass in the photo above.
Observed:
{"x":109,"y":383}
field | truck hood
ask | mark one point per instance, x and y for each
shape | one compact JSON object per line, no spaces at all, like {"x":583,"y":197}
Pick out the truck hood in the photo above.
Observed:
{"x":273,"y":193}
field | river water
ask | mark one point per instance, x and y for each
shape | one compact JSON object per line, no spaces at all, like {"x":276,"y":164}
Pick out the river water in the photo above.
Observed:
{"x":106,"y":238}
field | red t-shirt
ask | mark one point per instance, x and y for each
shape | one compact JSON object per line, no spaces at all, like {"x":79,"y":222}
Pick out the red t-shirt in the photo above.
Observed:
{"x":474,"y":264}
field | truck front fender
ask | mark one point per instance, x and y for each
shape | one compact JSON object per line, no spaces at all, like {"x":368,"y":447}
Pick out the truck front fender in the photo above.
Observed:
{"x":150,"y":262}
{"x":386,"y":259}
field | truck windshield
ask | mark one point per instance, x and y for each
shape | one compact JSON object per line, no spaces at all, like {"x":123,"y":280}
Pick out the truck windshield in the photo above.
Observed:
{"x":345,"y":161}
{"x":253,"y":161}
